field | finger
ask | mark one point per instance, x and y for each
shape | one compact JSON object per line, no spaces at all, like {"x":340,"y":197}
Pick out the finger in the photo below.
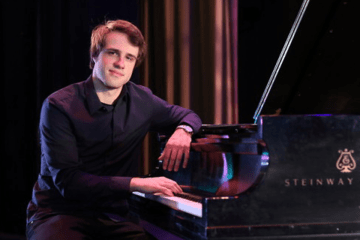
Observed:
{"x":161,"y":158}
{"x":179,"y":189}
{"x":186,"y":158}
{"x":178,"y":162}
{"x":172,"y":159}
{"x":166,"y":153}
{"x":176,"y":188}
{"x":165,"y":158}
{"x":167,"y":192}
{"x":165,"y":163}
{"x":172,"y":185}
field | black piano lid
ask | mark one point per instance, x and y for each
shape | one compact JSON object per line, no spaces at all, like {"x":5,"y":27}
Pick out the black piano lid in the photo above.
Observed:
{"x":319,"y":74}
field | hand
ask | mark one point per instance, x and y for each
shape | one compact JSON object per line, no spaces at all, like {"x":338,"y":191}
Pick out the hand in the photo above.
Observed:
{"x":155,"y":185}
{"x":177,"y":146}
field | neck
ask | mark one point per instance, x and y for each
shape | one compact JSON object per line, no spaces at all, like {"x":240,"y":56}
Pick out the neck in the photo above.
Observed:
{"x":105,"y":94}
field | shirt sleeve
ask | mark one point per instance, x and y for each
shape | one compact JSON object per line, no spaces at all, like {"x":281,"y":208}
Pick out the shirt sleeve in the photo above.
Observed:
{"x":167,"y":117}
{"x":60,"y":161}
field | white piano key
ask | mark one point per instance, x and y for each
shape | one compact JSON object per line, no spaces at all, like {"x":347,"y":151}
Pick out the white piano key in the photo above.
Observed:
{"x":177,"y":203}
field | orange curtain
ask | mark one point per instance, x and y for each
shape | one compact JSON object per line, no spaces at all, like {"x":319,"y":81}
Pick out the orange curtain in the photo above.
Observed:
{"x":192,"y":58}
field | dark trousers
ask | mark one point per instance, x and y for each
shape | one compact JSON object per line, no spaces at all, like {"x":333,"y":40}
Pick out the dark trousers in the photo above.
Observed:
{"x":67,"y":227}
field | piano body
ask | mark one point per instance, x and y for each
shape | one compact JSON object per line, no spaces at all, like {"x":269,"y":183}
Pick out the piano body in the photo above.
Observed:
{"x":292,"y":176}
{"x":289,"y":177}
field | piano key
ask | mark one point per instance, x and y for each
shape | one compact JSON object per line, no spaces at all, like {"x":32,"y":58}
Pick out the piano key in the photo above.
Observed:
{"x":189,"y":196}
{"x":176,"y":203}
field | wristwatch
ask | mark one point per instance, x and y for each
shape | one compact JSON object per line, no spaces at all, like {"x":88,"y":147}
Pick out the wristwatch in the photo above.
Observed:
{"x":186,"y":128}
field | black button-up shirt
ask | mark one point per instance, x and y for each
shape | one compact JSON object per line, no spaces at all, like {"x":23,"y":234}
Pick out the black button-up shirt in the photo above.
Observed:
{"x":90,"y":150}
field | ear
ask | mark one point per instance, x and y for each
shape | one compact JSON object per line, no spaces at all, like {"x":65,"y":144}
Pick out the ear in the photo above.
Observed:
{"x":94,"y":58}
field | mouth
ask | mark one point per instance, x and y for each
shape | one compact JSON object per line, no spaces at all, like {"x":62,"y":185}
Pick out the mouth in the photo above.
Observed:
{"x":116,"y":73}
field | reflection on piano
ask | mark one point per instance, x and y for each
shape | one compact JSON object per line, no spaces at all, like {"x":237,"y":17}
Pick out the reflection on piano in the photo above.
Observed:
{"x":279,"y":179}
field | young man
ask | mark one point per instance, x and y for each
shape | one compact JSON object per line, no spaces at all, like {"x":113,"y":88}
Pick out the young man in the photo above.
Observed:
{"x":91,"y":133}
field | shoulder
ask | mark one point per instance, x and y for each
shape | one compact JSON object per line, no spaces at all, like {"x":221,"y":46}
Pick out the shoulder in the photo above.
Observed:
{"x":139,"y":92}
{"x":134,"y":88}
{"x":68,"y":97}
{"x":144,"y":98}
{"x":67,"y":94}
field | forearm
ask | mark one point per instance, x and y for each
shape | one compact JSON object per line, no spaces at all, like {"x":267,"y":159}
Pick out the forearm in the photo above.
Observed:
{"x":83,"y":186}
{"x":135,"y":184}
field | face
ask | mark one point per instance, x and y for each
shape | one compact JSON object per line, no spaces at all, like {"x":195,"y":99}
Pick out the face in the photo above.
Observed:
{"x":115,"y":63}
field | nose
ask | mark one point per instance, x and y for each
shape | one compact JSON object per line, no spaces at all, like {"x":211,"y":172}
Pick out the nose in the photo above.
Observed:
{"x":120,"y":63}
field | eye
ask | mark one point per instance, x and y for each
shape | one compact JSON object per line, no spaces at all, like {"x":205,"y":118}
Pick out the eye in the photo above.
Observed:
{"x":130,"y":58}
{"x":111,"y":53}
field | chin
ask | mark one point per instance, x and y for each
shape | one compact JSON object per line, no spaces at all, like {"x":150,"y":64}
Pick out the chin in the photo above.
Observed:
{"x":111,"y":86}
{"x":116,"y":85}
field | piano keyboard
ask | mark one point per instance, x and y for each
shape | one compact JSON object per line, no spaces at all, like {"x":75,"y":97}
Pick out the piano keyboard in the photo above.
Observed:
{"x":178,"y":203}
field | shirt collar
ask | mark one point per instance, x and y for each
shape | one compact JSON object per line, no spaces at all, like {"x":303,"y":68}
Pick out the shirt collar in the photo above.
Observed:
{"x":92,"y":99}
{"x":123,"y":95}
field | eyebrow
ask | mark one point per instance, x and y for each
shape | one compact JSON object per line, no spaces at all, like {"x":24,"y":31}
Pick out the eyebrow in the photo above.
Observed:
{"x":116,"y":50}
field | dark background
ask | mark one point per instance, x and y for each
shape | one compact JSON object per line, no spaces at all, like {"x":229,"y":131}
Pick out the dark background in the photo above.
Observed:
{"x":320,"y":72}
{"x":45,"y":47}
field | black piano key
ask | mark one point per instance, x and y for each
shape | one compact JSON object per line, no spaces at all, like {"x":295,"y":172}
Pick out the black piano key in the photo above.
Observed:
{"x":189,"y":196}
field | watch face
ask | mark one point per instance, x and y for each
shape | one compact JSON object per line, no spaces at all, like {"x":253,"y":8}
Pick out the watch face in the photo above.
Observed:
{"x":186,"y":128}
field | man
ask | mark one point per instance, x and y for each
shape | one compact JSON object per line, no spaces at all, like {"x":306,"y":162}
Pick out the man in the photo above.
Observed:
{"x":91,"y":134}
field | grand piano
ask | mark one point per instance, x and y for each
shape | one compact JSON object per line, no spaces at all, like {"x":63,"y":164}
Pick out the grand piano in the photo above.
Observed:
{"x":290,"y":176}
